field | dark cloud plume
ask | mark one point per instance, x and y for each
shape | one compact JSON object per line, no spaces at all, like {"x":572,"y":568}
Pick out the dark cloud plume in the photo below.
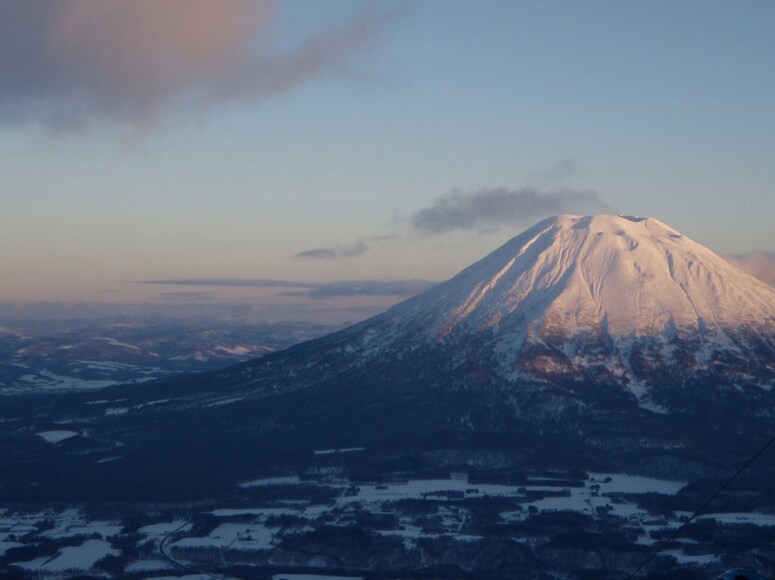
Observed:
{"x":761,"y":265}
{"x":66,"y":63}
{"x":495,"y":207}
{"x":334,"y":253}
{"x":351,"y":288}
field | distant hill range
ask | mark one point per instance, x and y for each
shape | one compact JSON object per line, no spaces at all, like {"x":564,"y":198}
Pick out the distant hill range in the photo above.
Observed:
{"x":69,"y":355}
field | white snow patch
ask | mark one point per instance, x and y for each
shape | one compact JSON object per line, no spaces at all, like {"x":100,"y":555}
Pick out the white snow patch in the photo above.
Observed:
{"x":114,"y":342}
{"x":227,"y":512}
{"x":624,"y":483}
{"x":755,"y":519}
{"x":5,"y":546}
{"x":52,"y":382}
{"x":236,"y":350}
{"x":232,"y":536}
{"x":341,"y":450}
{"x":185,"y":577}
{"x":689,"y":559}
{"x":285,"y":480}
{"x":640,"y":392}
{"x":227,"y":401}
{"x":314,"y":577}
{"x":81,"y":557}
{"x":71,"y":523}
{"x":152,"y":403}
{"x":57,"y":436}
{"x":147,"y":566}
{"x":160,"y":530}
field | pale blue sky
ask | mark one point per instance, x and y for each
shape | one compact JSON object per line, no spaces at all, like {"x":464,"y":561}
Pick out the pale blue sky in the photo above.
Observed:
{"x":661,"y":108}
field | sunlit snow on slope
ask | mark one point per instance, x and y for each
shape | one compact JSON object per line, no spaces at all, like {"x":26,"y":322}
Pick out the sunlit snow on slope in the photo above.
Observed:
{"x":583,"y":274}
{"x":597,"y":300}
{"x":57,"y":436}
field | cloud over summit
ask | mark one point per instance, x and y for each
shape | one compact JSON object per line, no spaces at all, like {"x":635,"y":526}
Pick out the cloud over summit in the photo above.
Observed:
{"x":493,"y":207}
{"x":68,"y":62}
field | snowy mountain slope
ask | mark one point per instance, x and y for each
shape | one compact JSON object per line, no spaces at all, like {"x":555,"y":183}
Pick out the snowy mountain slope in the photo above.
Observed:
{"x":587,"y":342}
{"x":585,"y":352}
{"x":623,"y":276}
{"x":608,"y":299}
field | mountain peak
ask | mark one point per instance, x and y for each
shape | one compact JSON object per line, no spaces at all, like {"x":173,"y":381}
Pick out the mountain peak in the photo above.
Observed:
{"x":604,"y":223}
{"x":620,"y":275}
{"x":591,"y":291}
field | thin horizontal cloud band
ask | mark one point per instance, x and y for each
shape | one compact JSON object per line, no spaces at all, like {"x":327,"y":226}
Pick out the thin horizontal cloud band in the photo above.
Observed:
{"x":350,"y":288}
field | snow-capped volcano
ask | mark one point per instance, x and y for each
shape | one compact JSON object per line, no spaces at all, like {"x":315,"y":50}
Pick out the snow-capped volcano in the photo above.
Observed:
{"x":617,"y":275}
{"x":606,"y":342}
{"x":604,"y":298}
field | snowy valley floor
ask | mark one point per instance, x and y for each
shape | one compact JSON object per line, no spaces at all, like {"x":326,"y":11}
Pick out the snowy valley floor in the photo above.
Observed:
{"x":546,"y":525}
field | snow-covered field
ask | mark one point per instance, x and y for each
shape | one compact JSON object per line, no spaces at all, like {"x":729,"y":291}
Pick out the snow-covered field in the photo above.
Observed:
{"x":57,"y":436}
{"x":233,"y":536}
{"x":313,"y":577}
{"x":240,"y":529}
{"x":289,"y":480}
{"x":81,"y":557}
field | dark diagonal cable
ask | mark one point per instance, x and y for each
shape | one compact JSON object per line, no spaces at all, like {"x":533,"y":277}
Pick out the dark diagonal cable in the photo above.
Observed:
{"x":677,"y":533}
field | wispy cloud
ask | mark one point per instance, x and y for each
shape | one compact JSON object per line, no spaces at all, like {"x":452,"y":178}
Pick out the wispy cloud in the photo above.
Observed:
{"x":69,"y":62}
{"x":364,"y":288}
{"x":344,"y":288}
{"x":759,"y":264}
{"x":229,"y":282}
{"x":493,"y":207}
{"x":354,"y":250}
{"x":187,"y":296}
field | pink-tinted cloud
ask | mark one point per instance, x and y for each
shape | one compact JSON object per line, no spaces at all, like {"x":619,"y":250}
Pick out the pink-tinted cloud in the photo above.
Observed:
{"x":758,"y":264}
{"x":70,"y":62}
